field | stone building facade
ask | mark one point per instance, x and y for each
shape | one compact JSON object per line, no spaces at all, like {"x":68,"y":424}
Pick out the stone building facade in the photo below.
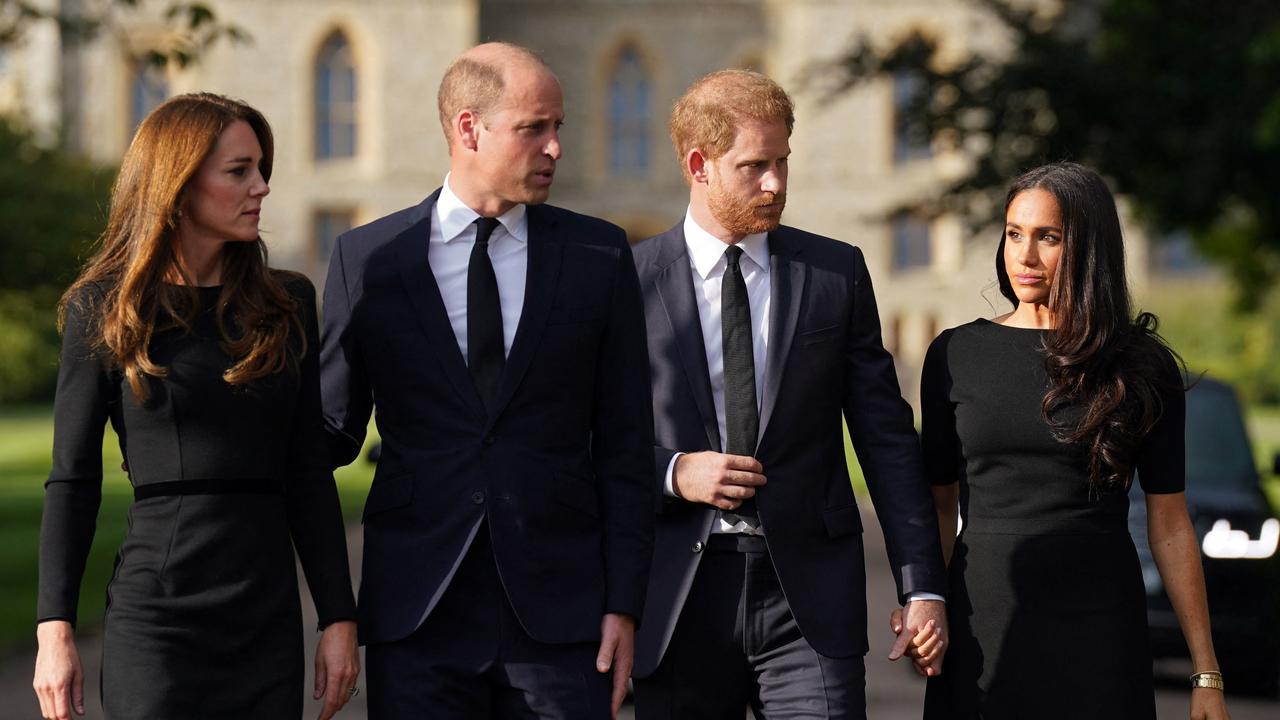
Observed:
{"x":349,"y":87}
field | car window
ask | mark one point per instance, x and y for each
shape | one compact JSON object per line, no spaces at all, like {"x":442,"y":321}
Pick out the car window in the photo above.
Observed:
{"x":1218,"y":453}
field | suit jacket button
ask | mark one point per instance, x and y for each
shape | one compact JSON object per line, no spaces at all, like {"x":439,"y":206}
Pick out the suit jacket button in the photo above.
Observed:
{"x":697,"y":547}
{"x":477,"y":497}
{"x":489,"y":439}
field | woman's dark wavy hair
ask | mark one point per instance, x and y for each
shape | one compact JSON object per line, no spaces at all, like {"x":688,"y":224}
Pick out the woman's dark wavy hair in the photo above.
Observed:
{"x":1105,"y":366}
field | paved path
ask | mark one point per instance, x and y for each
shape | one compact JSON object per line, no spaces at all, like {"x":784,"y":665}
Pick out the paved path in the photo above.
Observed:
{"x":893,"y":691}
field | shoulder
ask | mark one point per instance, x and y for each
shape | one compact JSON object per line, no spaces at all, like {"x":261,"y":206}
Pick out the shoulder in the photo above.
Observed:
{"x":363,"y":239}
{"x":817,"y":248}
{"x":82,"y":303}
{"x":658,"y":251}
{"x":299,"y":286}
{"x":961,"y":338}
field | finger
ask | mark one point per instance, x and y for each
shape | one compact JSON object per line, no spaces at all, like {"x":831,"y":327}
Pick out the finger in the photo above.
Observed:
{"x":333,"y":697}
{"x":604,"y":658}
{"x":46,"y":708}
{"x":321,"y":673}
{"x":895,"y":621}
{"x":737,"y":492}
{"x":749,"y":479}
{"x":619,"y":692}
{"x":61,"y":706}
{"x":900,"y":646}
{"x":77,"y":691}
{"x":743,"y":462}
{"x":725,"y":503}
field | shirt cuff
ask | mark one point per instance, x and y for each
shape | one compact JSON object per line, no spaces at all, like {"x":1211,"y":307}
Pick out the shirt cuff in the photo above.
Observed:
{"x":912,"y":597}
{"x":668,"y":486}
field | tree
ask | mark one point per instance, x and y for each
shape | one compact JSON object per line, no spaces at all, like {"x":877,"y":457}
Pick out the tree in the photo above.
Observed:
{"x":1176,"y":102}
{"x":194,"y":25}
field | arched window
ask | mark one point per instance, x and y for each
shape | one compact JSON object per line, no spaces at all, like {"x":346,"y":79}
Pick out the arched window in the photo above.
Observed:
{"x":335,"y":97}
{"x":629,"y":115}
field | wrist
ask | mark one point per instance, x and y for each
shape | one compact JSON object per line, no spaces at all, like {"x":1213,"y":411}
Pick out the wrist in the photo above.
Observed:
{"x":1210,"y":679}
{"x":54,"y":631}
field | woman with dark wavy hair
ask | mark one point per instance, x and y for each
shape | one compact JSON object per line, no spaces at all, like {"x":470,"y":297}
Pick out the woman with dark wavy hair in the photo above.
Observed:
{"x":1034,"y":426}
{"x":203,"y":359}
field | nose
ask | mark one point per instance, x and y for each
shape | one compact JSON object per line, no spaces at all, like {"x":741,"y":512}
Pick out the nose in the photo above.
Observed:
{"x":775,"y":180}
{"x":552,"y":148}
{"x":1029,"y":254}
{"x":260,"y":188}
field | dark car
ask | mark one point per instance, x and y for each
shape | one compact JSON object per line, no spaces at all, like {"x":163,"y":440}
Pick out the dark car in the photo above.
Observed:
{"x":1238,"y":535}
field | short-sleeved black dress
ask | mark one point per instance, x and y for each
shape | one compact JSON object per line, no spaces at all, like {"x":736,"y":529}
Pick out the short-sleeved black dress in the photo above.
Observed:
{"x":1046,"y":602}
{"x":203,"y":616}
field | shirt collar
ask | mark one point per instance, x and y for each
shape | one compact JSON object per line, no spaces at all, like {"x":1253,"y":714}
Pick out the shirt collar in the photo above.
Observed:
{"x":706,"y":250}
{"x":454,"y":217}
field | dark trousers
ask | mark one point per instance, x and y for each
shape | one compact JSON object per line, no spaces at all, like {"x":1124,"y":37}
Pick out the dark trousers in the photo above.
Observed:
{"x":471,"y":660}
{"x":737,"y":645}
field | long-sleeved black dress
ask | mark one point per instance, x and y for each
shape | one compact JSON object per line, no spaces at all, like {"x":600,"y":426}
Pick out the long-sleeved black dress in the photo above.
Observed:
{"x":1045,"y":603}
{"x":203,"y":616}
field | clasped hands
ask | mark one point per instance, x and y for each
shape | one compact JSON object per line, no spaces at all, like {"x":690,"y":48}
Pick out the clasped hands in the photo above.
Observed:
{"x":921,"y":628}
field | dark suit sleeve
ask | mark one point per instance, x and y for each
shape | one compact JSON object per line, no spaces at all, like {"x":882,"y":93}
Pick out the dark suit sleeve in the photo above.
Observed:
{"x":938,"y":438}
{"x":622,"y":444}
{"x":315,"y":517}
{"x":73,"y":492}
{"x":348,"y":400}
{"x":880,"y":425}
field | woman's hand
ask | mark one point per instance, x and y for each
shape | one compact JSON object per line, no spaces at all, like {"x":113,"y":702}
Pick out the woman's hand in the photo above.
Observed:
{"x":1208,"y":704}
{"x":337,"y":667}
{"x":59,"y":680}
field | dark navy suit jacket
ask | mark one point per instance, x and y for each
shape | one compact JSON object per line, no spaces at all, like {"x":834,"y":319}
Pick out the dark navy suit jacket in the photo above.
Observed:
{"x":825,"y":360}
{"x":563,"y":470}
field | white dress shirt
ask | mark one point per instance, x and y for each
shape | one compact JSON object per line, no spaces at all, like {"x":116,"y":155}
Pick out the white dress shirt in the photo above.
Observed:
{"x":453,"y":234}
{"x":706,"y":266}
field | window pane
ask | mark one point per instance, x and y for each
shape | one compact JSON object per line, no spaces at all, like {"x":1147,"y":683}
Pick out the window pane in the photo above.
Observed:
{"x":912,"y":246}
{"x":909,"y":142}
{"x":335,"y":100}
{"x":328,"y":225}
{"x":629,"y":116}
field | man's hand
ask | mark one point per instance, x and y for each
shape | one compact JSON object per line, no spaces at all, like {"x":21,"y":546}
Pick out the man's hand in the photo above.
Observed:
{"x":716,"y":478}
{"x":922,"y":635}
{"x":617,"y":653}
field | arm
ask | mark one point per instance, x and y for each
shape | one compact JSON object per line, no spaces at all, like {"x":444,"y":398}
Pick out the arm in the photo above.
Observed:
{"x":73,"y":495}
{"x":881,"y":428}
{"x":348,"y":400}
{"x":315,"y":522}
{"x":943,"y":459}
{"x":622,"y":452}
{"x":1176,"y":550}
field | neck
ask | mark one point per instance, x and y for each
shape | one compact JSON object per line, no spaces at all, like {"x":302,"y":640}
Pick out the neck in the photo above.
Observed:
{"x":1031,"y":315}
{"x":702,"y":215}
{"x":199,"y":260}
{"x":483,"y":201}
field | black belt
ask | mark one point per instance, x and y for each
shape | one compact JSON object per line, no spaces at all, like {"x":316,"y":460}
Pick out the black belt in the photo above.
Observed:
{"x":238,"y":486}
{"x":736,"y":542}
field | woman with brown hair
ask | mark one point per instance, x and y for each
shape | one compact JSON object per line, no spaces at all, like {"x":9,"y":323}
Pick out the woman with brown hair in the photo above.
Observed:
{"x":204,"y":360}
{"x":1034,"y":426}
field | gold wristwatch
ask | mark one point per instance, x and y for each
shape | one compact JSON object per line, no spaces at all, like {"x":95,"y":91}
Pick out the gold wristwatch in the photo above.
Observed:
{"x":1208,"y":679}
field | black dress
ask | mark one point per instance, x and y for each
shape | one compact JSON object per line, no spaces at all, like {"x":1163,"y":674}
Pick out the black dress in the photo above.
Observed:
{"x":203,"y":616}
{"x":1046,"y":602}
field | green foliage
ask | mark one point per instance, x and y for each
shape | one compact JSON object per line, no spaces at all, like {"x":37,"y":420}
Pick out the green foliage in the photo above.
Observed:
{"x":28,"y":345}
{"x":1176,"y":102}
{"x":1200,"y":323}
{"x":52,"y":206}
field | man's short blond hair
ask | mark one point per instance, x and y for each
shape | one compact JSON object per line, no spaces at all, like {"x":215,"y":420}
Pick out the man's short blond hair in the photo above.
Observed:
{"x":476,"y":84}
{"x":707,"y":116}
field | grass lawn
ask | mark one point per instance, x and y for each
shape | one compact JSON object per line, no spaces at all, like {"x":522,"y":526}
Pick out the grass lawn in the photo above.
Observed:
{"x":26,"y":435}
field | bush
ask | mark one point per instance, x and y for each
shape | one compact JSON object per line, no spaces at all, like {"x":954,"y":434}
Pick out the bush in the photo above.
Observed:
{"x":29,"y":345}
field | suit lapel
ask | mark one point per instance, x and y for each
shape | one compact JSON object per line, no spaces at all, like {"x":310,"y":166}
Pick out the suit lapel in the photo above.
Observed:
{"x":546,"y":252}
{"x":787,"y":275}
{"x":413,"y":246}
{"x":675,"y":289}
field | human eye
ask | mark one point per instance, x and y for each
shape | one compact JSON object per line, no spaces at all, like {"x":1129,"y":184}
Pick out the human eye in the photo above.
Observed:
{"x":1012,"y":234}
{"x":1050,"y":239}
{"x":238,"y":170}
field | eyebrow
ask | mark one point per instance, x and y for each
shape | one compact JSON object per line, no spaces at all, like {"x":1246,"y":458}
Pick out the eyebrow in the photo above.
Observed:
{"x":1045,"y":227}
{"x":245,"y":159}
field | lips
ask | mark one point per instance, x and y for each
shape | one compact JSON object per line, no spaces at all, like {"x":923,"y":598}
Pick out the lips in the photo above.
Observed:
{"x":1028,"y":279}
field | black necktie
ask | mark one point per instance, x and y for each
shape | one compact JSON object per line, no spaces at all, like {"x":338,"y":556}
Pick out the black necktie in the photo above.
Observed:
{"x":742,"y":419}
{"x":485,"y":355}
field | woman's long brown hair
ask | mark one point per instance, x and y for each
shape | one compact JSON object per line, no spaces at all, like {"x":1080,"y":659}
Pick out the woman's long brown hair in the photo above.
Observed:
{"x":138,"y":251}
{"x":1105,"y":366}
